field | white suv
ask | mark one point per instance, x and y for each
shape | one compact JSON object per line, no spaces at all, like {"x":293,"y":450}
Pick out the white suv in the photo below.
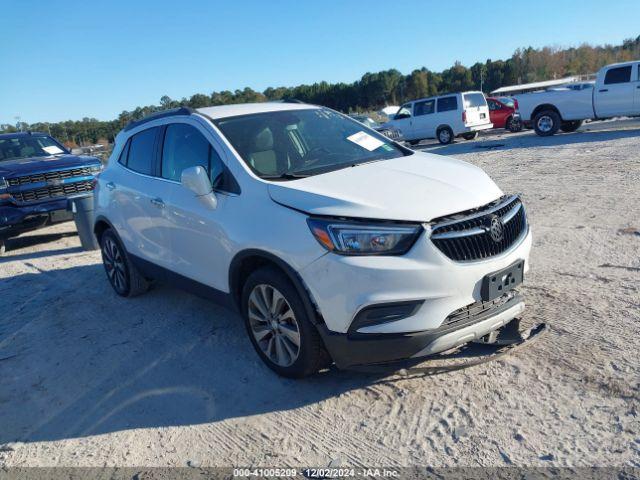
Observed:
{"x":335,"y":243}
{"x":444,"y":117}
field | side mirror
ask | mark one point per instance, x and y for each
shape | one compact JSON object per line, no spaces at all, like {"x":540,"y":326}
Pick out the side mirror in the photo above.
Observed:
{"x":197,"y":180}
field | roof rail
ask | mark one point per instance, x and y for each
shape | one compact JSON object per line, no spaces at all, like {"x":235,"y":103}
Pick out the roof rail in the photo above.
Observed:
{"x":154,"y":116}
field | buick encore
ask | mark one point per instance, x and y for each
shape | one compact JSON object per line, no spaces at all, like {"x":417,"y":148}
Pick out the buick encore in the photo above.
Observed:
{"x":335,"y":243}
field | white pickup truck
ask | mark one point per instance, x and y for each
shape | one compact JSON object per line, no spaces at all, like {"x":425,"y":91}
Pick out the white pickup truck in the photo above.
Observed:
{"x":616,"y":92}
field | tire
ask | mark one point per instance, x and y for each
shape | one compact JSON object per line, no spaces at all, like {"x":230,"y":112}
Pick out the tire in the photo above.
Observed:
{"x":514,"y":126}
{"x":470,"y":135}
{"x":122,"y":274}
{"x":275,"y":316}
{"x":572,"y":126}
{"x":546,"y":123}
{"x":445,"y":135}
{"x":3,"y":247}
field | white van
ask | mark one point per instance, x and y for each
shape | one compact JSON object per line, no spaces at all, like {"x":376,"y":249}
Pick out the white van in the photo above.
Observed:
{"x":444,"y":117}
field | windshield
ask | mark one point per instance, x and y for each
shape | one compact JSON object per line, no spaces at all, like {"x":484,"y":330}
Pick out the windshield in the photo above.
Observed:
{"x":28,"y":146}
{"x":285,"y":145}
{"x":369,"y":122}
{"x":508,"y":101}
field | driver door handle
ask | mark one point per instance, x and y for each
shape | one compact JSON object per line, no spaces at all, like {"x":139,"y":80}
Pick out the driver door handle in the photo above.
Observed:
{"x":157,"y":202}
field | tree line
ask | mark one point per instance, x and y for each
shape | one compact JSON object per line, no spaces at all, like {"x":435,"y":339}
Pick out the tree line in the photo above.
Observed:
{"x":373,"y":90}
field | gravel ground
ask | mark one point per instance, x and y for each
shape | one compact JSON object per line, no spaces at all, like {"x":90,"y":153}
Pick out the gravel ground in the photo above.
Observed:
{"x":168,"y":379}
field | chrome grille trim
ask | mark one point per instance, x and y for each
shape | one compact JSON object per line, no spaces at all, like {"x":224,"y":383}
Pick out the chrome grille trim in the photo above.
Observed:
{"x":52,"y":175}
{"x":466,"y":236}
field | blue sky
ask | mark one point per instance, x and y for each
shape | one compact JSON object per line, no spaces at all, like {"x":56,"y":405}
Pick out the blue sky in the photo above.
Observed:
{"x":73,"y":59}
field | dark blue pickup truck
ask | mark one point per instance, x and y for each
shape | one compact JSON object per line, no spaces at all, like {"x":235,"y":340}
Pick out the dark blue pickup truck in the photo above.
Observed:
{"x":37,"y":178}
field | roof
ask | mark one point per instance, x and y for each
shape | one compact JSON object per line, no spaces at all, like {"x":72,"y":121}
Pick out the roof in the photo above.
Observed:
{"x":234,"y":110}
{"x":20,"y":134}
{"x":535,"y":85}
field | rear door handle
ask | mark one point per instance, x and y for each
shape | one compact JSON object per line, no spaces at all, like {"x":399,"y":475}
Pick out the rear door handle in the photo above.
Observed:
{"x":157,"y":202}
{"x":111,"y":186}
{"x":604,"y":89}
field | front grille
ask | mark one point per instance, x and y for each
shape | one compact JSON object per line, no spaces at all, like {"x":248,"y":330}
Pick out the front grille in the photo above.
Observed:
{"x":471,"y":312}
{"x":54,"y":191}
{"x":474,"y":234}
{"x":56,"y":175}
{"x":392,"y":134}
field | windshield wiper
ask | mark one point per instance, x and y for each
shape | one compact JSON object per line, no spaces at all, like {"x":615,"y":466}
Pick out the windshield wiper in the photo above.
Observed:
{"x":284,"y":176}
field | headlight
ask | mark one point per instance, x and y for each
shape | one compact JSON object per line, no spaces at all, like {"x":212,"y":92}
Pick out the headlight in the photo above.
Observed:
{"x":355,"y":238}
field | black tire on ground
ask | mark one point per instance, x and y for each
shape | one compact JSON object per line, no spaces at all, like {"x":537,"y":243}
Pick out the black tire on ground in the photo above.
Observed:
{"x":3,"y":246}
{"x":470,"y":135}
{"x":445,"y":135}
{"x":514,"y":126}
{"x":414,"y":142}
{"x":571,"y":126}
{"x":546,"y":123}
{"x":312,"y":355}
{"x":124,"y":277}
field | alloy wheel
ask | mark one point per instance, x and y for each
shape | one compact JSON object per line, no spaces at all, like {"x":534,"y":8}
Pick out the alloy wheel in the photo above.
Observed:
{"x":114,"y":264}
{"x":545,"y":123}
{"x":274,"y":325}
{"x":445,"y":136}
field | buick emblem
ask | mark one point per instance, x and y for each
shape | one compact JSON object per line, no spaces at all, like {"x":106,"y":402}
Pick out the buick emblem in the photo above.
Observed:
{"x":496,"y":229}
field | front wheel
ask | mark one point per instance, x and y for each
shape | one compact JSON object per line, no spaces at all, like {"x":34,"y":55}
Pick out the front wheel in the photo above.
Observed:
{"x":278,"y":325}
{"x":470,"y":135}
{"x":571,"y":126}
{"x":445,"y":135}
{"x":547,"y":123}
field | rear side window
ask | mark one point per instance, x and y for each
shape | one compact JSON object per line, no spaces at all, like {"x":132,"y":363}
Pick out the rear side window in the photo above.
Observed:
{"x":446,"y":104}
{"x":141,"y":151}
{"x":184,"y":147}
{"x":124,"y":153}
{"x":474,"y":100}
{"x":618,"y":75}
{"x":424,"y":108}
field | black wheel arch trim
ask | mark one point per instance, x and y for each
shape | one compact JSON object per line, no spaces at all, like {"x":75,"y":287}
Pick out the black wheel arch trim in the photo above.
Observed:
{"x":102,"y":219}
{"x":543,"y":107}
{"x":236,"y":290}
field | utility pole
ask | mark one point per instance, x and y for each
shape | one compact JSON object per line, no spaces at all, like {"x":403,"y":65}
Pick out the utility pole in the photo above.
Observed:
{"x":18,"y":122}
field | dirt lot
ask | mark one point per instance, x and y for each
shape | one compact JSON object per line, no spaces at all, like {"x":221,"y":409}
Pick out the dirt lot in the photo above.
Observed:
{"x":90,"y":379}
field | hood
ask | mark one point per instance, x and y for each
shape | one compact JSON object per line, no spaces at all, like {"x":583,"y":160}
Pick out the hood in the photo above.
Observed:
{"x":419,"y":187}
{"x":25,"y":166}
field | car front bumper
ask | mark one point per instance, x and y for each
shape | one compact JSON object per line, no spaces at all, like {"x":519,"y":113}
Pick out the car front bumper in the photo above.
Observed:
{"x":424,"y":285}
{"x":17,"y":219}
{"x":350,"y":350}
